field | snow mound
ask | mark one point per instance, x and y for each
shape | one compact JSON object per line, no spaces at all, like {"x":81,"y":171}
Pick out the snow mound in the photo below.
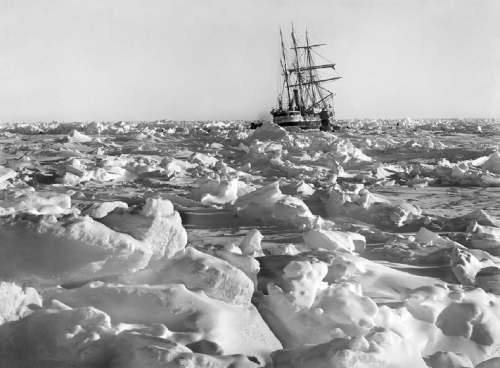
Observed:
{"x":301,"y":309}
{"x":156,"y":223}
{"x":74,"y":250}
{"x":335,"y":240}
{"x":493,"y":163}
{"x":269,"y":204}
{"x":379,"y":348}
{"x":216,"y":277}
{"x":55,"y":337}
{"x":359,"y":203}
{"x":76,"y":136}
{"x":15,"y":301}
{"x":268,"y":131}
{"x":236,"y":329}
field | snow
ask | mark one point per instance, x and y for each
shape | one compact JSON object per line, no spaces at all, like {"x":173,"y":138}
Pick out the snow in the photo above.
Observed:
{"x":206,"y":244}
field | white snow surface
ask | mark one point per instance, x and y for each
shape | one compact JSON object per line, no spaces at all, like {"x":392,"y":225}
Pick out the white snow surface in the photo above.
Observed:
{"x":206,"y":244}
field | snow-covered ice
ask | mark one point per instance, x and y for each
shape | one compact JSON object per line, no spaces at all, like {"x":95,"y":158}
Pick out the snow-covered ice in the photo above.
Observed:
{"x":207,"y":244}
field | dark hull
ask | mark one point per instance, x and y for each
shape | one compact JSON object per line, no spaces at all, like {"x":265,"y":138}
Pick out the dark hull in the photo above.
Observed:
{"x":315,"y":124}
{"x":295,"y":120}
{"x":308,"y":122}
{"x":302,"y":124}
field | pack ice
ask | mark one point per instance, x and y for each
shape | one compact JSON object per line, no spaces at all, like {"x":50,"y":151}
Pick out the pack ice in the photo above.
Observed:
{"x":208,"y":244}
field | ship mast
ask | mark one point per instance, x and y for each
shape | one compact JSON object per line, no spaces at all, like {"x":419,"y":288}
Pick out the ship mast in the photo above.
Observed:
{"x":310,"y":68}
{"x":300,"y":104}
{"x":285,"y":71}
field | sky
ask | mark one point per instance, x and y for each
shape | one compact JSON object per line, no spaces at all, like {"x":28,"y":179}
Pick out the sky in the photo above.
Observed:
{"x":112,"y":60}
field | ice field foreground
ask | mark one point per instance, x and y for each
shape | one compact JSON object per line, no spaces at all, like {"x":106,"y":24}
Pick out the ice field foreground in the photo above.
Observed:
{"x":207,"y":244}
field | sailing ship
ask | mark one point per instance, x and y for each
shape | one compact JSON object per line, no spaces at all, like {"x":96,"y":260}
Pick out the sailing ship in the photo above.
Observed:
{"x":303,"y":98}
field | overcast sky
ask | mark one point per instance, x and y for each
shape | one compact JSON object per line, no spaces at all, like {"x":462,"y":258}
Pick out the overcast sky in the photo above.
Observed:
{"x":76,"y":60}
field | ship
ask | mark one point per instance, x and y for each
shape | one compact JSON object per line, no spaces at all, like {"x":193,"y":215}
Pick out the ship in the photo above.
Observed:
{"x":304,"y":99}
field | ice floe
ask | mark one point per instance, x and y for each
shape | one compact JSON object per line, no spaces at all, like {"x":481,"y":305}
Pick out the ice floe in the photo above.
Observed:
{"x":207,"y":244}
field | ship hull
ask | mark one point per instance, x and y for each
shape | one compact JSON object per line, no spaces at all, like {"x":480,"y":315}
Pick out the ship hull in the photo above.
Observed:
{"x":312,"y":122}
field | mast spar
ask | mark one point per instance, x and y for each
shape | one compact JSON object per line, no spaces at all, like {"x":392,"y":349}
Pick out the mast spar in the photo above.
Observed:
{"x":300,"y":104}
{"x":285,"y":72}
{"x":310,"y":68}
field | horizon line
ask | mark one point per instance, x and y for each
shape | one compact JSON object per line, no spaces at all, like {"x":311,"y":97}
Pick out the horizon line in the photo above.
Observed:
{"x":229,"y":120}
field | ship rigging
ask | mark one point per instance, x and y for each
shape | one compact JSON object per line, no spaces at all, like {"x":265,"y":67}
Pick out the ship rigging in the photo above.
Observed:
{"x":303,"y":97}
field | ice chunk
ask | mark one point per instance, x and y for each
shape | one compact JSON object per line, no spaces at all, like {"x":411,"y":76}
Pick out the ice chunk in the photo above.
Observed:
{"x":375,"y":279}
{"x":201,"y":271}
{"x":138,"y":350}
{"x":202,"y":159}
{"x":370,"y":208}
{"x":448,"y":359}
{"x":236,"y":329}
{"x":76,"y":136}
{"x":101,"y":209}
{"x":227,"y":191}
{"x":56,"y":338}
{"x":379,"y":348}
{"x":485,"y":237}
{"x":268,"y":131}
{"x":284,"y":249}
{"x":6,"y":174}
{"x":250,"y":245}
{"x":268,"y":203}
{"x":77,"y":249}
{"x":465,"y":266}
{"x":490,"y":363}
{"x":471,"y":320}
{"x":156,"y":223}
{"x":266,"y":197}
{"x":95,"y":127}
{"x":488,"y":279}
{"x":427,"y":302}
{"x":14,"y":301}
{"x":493,"y":163}
{"x":465,"y":222}
{"x":298,"y":187}
{"x":301,"y":309}
{"x":36,"y":200}
{"x":294,"y":211}
{"x":426,"y":236}
{"x":249,"y":265}
{"x":465,"y":315}
{"x":335,"y":240}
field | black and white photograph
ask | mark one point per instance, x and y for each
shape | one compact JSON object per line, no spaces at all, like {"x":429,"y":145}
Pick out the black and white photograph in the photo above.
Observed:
{"x":249,"y":184}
